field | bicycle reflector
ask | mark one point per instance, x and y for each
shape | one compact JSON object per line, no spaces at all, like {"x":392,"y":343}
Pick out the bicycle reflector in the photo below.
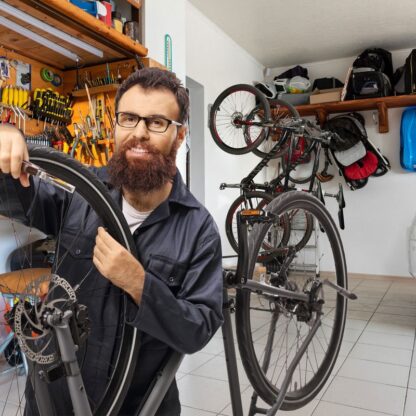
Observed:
{"x":251,"y":212}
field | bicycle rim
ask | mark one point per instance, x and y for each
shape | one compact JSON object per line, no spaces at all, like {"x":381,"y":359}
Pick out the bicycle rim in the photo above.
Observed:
{"x":229,"y":115}
{"x":38,"y":256}
{"x":270,"y":330}
{"x":282,"y":114}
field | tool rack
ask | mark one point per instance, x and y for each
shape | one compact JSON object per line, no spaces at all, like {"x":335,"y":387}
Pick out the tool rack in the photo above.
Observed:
{"x":74,"y":87}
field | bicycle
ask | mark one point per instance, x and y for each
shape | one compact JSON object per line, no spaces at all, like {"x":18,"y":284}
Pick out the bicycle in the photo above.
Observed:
{"x":51,"y":327}
{"x":255,"y":195}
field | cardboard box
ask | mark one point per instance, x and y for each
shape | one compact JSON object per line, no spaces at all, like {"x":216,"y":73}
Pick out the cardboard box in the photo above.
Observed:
{"x":325,"y":96}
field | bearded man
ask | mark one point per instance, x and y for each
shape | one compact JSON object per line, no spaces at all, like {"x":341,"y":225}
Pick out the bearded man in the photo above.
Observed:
{"x":175,"y":283}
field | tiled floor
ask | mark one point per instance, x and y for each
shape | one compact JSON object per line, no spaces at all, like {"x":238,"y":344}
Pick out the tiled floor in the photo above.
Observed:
{"x":375,"y":374}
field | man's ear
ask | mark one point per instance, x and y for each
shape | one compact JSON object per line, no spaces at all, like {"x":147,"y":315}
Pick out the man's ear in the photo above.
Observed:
{"x":181,"y":134}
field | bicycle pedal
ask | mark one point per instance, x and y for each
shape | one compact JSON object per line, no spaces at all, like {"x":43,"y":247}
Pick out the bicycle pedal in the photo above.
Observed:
{"x":342,"y":291}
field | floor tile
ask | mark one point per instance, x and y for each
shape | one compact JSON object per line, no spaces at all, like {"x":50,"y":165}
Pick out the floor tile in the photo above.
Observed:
{"x":397,"y":310}
{"x":410,"y":406}
{"x":189,"y":411}
{"x":192,"y":362}
{"x":359,"y":314}
{"x":334,"y":409}
{"x":203,"y":393}
{"x":376,"y":372}
{"x":214,"y":346}
{"x":217,"y":368}
{"x":386,"y":340}
{"x":391,"y":328}
{"x":366,"y":395}
{"x":246,"y":399}
{"x":412,"y":378}
{"x":382,"y":354}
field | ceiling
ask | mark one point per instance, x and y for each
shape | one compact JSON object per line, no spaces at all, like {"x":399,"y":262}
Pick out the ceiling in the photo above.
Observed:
{"x":287,"y":32}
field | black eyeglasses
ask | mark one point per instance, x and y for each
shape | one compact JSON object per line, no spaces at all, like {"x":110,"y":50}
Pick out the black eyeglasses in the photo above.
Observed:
{"x":155,"y":124}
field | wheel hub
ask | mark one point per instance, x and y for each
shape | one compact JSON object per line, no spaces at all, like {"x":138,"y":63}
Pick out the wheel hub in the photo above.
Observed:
{"x":237,"y":119}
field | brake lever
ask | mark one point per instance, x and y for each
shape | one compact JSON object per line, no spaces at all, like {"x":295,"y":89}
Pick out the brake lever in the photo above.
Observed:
{"x":32,"y":169}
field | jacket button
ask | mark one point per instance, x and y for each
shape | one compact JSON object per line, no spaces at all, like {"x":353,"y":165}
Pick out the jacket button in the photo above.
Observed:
{"x":171,"y":279}
{"x":78,"y":251}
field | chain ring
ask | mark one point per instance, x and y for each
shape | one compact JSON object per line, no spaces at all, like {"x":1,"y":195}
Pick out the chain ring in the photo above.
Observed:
{"x":38,"y":356}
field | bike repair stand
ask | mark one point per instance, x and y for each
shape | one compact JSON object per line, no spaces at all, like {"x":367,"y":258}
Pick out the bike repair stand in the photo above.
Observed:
{"x":60,"y":324}
{"x":245,"y":220}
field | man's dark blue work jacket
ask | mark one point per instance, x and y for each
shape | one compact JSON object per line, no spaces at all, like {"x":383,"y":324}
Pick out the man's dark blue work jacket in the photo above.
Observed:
{"x":181,"y":307}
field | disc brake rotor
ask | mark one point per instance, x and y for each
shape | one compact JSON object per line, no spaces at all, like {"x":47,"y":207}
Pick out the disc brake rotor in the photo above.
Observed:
{"x":34,"y":336}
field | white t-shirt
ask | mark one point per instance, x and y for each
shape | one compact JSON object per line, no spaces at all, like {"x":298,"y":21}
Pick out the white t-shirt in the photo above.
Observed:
{"x":133,"y":217}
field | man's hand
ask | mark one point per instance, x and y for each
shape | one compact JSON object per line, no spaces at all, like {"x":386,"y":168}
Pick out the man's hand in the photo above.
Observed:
{"x":119,"y":266}
{"x":13,"y":151}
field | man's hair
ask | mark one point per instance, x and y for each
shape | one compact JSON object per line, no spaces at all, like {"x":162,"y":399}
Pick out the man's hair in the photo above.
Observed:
{"x":157,"y":79}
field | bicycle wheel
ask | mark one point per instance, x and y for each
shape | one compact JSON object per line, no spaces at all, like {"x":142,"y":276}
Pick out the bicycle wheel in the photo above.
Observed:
{"x":256,"y":200}
{"x":228,"y":119}
{"x":270,"y":329}
{"x":282,"y":114}
{"x":106,"y":368}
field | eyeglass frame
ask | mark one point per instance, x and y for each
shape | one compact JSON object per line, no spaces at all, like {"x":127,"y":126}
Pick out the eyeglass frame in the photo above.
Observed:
{"x":140,"y":118}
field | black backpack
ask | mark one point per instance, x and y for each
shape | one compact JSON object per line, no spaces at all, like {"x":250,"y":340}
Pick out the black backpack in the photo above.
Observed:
{"x":404,"y":79}
{"x":372,"y":75}
{"x":376,"y":59}
{"x":350,"y":129}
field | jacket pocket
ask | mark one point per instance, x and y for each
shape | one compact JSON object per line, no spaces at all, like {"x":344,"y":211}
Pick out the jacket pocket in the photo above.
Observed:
{"x":169,"y":271}
{"x":78,"y":246}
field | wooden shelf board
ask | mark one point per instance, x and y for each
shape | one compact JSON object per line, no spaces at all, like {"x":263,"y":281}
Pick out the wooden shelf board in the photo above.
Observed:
{"x":381,"y":104}
{"x":95,"y":90}
{"x":75,"y":22}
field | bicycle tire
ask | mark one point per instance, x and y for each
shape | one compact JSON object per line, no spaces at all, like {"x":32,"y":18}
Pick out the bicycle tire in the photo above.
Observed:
{"x":289,"y":112}
{"x":233,"y":105}
{"x":89,"y":187}
{"x":251,"y":324}
{"x":252,"y":200}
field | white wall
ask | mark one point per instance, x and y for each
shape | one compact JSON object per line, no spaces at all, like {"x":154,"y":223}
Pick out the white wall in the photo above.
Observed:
{"x":214,"y":60}
{"x":377,"y":217}
{"x":163,"y":17}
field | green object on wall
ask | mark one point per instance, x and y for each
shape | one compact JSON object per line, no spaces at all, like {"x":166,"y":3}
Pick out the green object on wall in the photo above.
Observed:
{"x":168,"y":52}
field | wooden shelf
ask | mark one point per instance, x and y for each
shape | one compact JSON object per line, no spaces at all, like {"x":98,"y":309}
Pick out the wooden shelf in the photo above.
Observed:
{"x":95,"y":90}
{"x":74,"y":21}
{"x":381,"y":104}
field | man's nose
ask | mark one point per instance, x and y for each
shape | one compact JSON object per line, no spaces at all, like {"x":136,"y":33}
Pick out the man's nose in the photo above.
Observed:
{"x":140,"y":131}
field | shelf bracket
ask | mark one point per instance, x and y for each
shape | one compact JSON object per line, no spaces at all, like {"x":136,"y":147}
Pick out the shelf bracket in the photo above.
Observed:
{"x":383,"y":118}
{"x":321,"y":115}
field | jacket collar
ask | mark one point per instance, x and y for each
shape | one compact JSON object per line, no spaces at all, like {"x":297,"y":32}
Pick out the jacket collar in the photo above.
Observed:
{"x":179,"y":195}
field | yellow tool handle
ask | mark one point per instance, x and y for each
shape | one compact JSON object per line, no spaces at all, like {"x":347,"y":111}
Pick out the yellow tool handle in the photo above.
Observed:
{"x":5,"y":95}
{"x":15,"y":96}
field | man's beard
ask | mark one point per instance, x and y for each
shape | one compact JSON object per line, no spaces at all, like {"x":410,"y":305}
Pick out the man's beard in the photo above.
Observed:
{"x":144,"y":174}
